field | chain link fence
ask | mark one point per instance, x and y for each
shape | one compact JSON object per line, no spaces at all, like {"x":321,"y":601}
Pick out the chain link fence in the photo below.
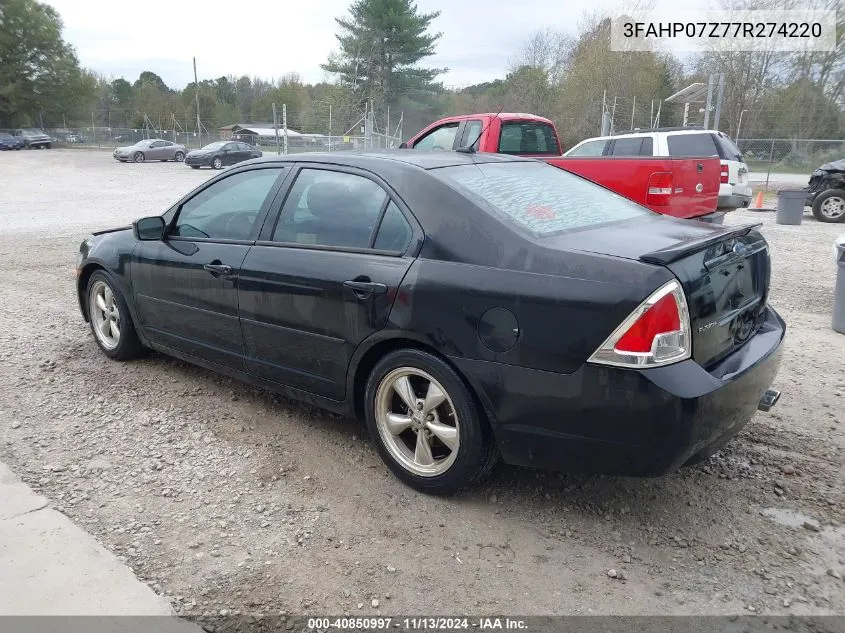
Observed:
{"x":790,"y":160}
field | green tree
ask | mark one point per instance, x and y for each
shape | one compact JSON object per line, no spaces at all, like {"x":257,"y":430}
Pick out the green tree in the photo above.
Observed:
{"x":39,"y":71}
{"x":381,"y":44}
{"x":149,"y":78}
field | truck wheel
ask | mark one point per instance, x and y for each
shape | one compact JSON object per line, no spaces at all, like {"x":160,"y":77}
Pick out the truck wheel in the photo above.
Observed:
{"x":829,"y":206}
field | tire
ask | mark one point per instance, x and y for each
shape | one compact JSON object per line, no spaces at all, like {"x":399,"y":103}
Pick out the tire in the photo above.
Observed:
{"x":125,"y":345}
{"x":138,"y":157}
{"x":442,"y":470}
{"x":49,"y":146}
{"x":829,"y":206}
{"x":179,"y":157}
{"x":217,"y":163}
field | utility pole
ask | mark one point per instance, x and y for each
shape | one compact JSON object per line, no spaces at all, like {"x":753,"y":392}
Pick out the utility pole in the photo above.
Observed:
{"x":388,"y":138}
{"x":719,"y":101}
{"x":330,"y":127}
{"x":633,"y":110}
{"x":276,"y":129}
{"x":285,"y":124}
{"x":197,"y":95}
{"x":93,"y":129}
{"x":709,"y":103}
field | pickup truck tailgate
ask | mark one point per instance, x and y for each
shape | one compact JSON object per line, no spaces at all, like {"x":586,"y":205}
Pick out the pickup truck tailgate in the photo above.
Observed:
{"x":677,"y":186}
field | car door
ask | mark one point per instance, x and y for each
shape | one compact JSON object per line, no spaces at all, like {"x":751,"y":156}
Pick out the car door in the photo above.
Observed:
{"x":231,"y":154}
{"x":186,"y":285}
{"x":322,"y":277}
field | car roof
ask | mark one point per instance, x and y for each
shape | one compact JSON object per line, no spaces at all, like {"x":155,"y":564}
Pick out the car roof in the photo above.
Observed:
{"x":430,"y":159}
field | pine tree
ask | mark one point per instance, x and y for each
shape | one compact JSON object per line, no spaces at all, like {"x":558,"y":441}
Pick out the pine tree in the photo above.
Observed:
{"x":381,"y":43}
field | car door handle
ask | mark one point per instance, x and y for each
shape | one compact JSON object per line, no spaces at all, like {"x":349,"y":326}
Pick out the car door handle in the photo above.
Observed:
{"x":218,"y":270}
{"x":365,"y":289}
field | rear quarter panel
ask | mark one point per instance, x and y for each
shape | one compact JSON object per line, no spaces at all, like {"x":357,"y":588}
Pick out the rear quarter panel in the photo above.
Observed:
{"x":629,"y":177}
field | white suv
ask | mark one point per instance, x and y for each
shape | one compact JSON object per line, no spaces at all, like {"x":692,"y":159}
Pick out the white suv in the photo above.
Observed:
{"x":734,"y":190}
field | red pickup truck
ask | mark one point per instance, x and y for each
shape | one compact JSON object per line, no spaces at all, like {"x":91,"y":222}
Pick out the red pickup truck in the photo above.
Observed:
{"x":680,"y":187}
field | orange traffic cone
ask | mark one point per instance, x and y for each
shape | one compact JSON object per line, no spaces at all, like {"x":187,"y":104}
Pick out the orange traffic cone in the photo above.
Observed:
{"x":758,"y":204}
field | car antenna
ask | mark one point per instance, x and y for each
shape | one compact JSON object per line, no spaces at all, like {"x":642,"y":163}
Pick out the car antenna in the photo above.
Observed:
{"x":469,"y":149}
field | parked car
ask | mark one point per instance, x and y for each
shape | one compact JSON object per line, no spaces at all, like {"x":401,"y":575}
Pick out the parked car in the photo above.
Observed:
{"x":33,"y":138}
{"x":826,"y":192}
{"x":682,"y":187}
{"x":734,"y":187}
{"x":150,"y":149}
{"x":221,"y":153}
{"x":421,"y":291}
{"x":7,"y":141}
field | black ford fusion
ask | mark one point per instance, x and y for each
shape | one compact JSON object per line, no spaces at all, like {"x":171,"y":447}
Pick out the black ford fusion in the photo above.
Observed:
{"x":466,"y":306}
{"x":221,"y":154}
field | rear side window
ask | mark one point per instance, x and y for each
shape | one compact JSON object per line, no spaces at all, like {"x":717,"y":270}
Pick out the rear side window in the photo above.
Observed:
{"x":692,"y":145}
{"x":537,"y":197}
{"x":627,"y":147}
{"x":528,"y":137}
{"x":729,"y":150}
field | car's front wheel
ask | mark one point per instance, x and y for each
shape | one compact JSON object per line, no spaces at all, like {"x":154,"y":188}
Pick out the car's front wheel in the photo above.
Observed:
{"x":138,"y":157}
{"x":829,"y":206}
{"x":426,"y":424}
{"x":110,"y":320}
{"x":179,"y":157}
{"x":217,"y":163}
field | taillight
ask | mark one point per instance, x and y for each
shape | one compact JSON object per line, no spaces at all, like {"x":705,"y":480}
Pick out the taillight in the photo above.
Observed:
{"x":723,"y":175}
{"x":659,"y":188}
{"x":656,"y":333}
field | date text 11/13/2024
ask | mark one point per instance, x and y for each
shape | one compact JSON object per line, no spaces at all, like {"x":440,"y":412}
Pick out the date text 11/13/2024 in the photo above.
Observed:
{"x":416,"y":623}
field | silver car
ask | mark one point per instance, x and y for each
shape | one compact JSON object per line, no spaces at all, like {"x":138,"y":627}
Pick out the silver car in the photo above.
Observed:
{"x":150,"y":149}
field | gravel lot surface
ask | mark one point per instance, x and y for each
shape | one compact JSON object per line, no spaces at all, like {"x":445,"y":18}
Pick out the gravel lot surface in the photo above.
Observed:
{"x":226,"y":497}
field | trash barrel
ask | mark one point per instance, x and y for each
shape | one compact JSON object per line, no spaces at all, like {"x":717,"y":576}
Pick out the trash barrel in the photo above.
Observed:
{"x":839,"y":292}
{"x":791,"y":206}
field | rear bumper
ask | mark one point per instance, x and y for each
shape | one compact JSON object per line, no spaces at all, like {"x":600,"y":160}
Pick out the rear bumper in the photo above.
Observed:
{"x":626,"y":422}
{"x":734,"y":201}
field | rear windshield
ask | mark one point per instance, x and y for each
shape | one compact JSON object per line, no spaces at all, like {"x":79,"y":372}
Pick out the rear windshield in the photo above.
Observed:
{"x":537,"y":197}
{"x":528,"y":137}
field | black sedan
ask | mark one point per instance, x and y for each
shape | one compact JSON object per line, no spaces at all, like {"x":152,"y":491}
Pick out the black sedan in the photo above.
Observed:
{"x":219,"y":154}
{"x":465,"y":306}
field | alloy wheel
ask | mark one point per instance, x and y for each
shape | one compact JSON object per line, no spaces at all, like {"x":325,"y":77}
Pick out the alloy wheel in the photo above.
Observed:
{"x":217,"y":163}
{"x":417,"y":421}
{"x":833,"y":208}
{"x":105,"y":315}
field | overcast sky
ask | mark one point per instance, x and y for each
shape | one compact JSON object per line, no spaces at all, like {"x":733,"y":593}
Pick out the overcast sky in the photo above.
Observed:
{"x":270,"y":38}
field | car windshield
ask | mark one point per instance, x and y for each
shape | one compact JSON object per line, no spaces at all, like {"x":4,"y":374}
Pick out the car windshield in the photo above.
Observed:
{"x":539,"y":198}
{"x":216,"y":145}
{"x":31,"y":131}
{"x":5,"y":135}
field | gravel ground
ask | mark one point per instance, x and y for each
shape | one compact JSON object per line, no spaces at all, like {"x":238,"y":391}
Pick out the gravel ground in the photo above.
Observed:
{"x":226,"y":497}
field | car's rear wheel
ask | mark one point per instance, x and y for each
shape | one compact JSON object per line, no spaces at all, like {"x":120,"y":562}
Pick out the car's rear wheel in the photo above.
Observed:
{"x":110,"y":320}
{"x":829,"y":206}
{"x":217,"y":163}
{"x":49,"y":146}
{"x":138,"y":157}
{"x":179,"y":157}
{"x":426,"y":424}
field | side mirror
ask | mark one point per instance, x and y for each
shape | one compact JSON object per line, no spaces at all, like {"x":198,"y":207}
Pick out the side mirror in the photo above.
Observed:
{"x":403,"y":146}
{"x":149,"y":229}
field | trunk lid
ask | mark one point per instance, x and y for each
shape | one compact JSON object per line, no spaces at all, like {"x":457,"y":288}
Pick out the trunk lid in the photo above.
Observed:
{"x":724,"y":271}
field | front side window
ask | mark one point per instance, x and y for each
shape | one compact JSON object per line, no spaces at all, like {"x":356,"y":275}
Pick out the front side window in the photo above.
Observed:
{"x":590,"y":148}
{"x":441,"y":138}
{"x":472,"y":134}
{"x":538,"y":198}
{"x":330,"y":208}
{"x":528,"y":137}
{"x":227,"y":209}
